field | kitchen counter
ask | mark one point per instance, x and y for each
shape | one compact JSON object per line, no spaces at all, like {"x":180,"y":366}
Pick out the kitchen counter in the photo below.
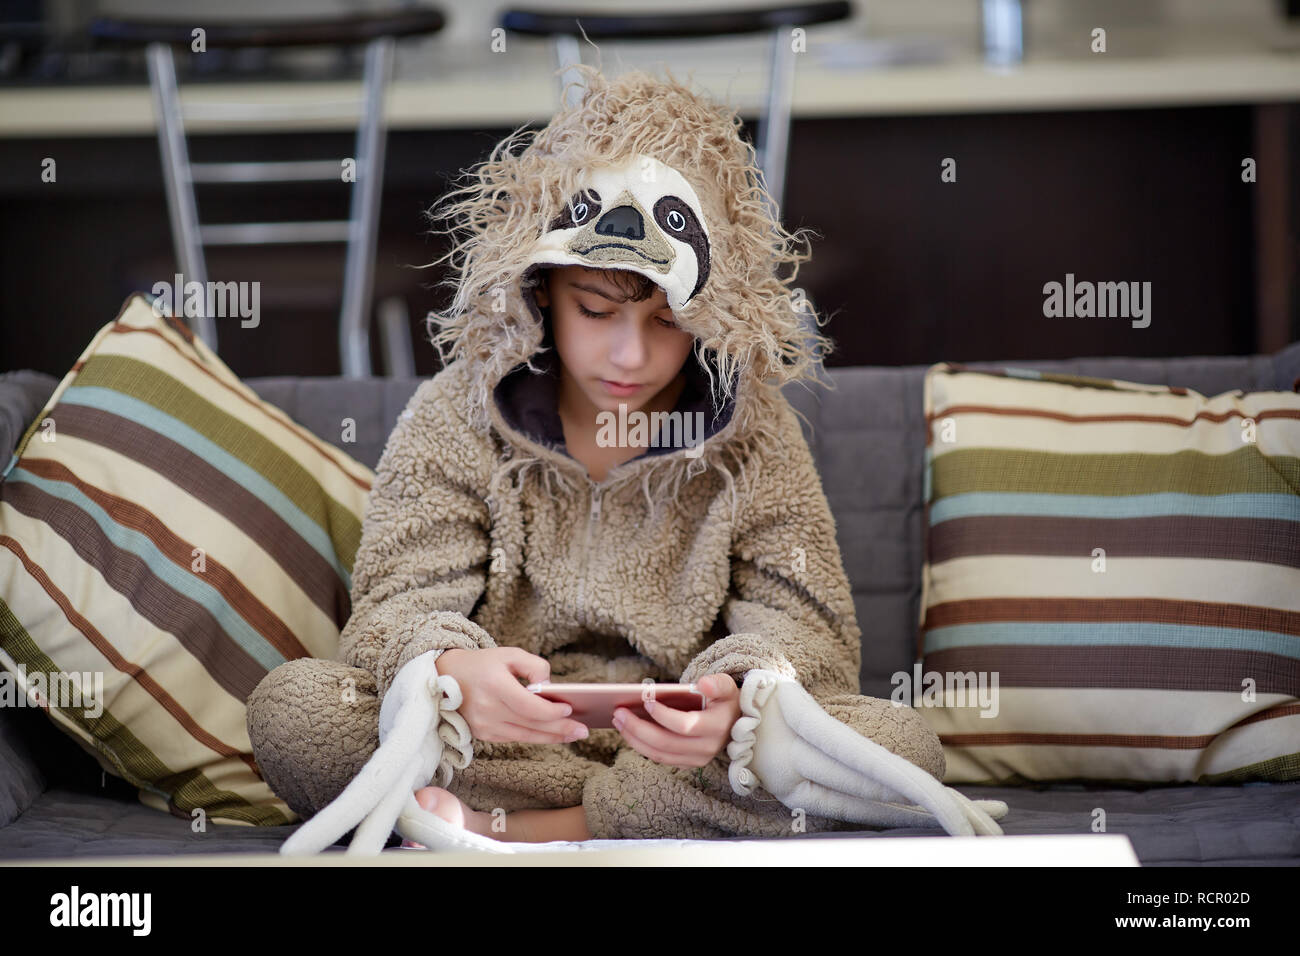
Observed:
{"x":847,"y":77}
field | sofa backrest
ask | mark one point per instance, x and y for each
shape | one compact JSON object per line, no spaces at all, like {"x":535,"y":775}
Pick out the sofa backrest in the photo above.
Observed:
{"x":864,"y":427}
{"x":866,"y":431}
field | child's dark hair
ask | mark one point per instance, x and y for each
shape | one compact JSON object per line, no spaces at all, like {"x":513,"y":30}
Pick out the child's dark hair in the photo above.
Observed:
{"x":634,"y":285}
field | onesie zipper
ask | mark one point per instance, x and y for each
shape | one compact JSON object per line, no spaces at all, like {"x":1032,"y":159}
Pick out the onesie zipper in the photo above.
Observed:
{"x":593,"y":517}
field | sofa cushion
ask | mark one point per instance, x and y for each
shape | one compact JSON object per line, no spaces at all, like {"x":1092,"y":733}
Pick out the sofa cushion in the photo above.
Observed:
{"x":1113,"y":570}
{"x":1252,"y":824}
{"x":171,"y":538}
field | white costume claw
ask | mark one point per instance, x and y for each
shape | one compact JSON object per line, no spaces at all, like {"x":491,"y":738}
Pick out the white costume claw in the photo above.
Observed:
{"x":807,"y":759}
{"x":420,"y":737}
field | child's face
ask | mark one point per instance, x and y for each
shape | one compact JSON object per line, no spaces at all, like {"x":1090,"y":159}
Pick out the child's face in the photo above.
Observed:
{"x":601,"y":337}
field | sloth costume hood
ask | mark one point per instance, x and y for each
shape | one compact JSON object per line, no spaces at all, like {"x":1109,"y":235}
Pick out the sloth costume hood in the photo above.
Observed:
{"x":646,"y":177}
{"x":481,"y":531}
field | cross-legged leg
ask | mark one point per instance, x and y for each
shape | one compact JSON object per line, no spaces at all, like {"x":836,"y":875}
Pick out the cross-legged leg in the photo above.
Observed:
{"x":637,"y":798}
{"x":314,"y":724}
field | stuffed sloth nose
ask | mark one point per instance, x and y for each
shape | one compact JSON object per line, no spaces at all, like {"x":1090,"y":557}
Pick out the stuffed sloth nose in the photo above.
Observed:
{"x":621,"y":221}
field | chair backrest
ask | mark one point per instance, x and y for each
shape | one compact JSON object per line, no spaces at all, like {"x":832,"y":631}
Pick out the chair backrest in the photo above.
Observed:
{"x":565,"y":28}
{"x":359,"y":231}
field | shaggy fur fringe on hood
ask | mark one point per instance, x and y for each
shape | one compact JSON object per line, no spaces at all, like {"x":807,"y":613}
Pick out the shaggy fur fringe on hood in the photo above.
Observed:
{"x":746,"y":319}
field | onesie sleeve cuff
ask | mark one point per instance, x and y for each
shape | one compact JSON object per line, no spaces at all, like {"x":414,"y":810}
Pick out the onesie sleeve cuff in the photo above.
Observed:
{"x":441,"y":631}
{"x":737,"y":655}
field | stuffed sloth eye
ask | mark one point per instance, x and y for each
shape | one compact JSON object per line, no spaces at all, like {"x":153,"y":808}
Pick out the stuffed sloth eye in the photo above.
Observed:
{"x":680,"y":223}
{"x":582,"y":207}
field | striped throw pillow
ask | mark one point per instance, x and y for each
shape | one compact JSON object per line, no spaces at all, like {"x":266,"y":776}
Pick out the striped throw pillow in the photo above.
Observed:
{"x":166,"y":538}
{"x":1111,"y":588}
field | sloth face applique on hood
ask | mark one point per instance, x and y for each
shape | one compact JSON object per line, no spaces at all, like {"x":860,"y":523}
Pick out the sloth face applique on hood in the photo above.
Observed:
{"x":641,"y":216}
{"x":642,"y":175}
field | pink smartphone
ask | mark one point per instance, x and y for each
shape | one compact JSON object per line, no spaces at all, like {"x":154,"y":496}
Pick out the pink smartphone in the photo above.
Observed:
{"x":594,"y":704}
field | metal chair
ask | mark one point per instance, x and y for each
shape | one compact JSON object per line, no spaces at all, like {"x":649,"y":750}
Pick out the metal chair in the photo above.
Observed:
{"x":565,"y":29}
{"x":359,"y":231}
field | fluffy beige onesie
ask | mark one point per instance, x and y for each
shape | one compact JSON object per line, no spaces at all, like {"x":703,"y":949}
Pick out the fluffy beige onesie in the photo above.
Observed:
{"x":482,"y":531}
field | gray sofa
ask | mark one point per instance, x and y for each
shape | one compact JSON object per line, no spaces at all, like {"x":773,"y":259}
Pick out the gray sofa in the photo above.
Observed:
{"x":867,"y":435}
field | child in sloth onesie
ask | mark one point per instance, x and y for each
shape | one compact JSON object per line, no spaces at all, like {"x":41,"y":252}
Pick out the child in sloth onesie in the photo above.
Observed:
{"x":501,"y":531}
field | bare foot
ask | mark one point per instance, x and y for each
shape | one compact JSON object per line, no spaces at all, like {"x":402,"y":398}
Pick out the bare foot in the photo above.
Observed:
{"x":447,"y":806}
{"x":522,"y":826}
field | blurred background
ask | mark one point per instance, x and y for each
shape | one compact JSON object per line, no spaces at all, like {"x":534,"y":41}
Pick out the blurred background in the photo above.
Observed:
{"x":1169,"y":156}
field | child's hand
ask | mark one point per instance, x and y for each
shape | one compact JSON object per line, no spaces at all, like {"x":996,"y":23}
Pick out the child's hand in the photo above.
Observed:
{"x":684,"y":738}
{"x":497,"y":707}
